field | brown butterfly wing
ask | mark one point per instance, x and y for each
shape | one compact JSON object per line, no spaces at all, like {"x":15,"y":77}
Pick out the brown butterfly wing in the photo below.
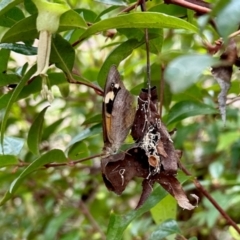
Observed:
{"x":118,"y":112}
{"x":122,"y":117}
{"x":110,"y":92}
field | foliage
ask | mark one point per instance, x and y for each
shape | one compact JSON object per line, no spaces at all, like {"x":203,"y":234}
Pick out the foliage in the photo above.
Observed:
{"x":45,"y":193}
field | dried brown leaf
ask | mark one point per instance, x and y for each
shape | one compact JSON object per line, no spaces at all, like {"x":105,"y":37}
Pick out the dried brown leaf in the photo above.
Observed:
{"x":223,"y":73}
{"x":161,"y":150}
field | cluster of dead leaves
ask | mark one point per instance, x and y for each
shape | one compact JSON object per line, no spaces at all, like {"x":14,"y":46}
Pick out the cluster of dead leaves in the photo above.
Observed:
{"x":153,"y":158}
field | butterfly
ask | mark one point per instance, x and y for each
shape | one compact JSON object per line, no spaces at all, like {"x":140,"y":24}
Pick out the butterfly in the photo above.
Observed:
{"x":118,"y":112}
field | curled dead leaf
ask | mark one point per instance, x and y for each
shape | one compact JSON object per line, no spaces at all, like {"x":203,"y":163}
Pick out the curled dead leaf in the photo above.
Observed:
{"x":161,"y":150}
{"x":154,"y":161}
{"x":223,"y":73}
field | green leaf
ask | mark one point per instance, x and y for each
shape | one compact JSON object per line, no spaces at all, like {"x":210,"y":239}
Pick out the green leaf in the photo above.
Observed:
{"x":73,"y":234}
{"x":167,"y":228}
{"x":54,"y":155}
{"x":155,"y":45}
{"x":137,"y":34}
{"x":20,"y":48}
{"x":22,"y":69}
{"x":184,"y":71}
{"x":54,"y":225}
{"x":168,"y":56}
{"x":33,"y":87}
{"x":64,"y":90}
{"x":105,"y":11}
{"x":138,"y":20}
{"x":234,"y":233}
{"x":164,"y":210}
{"x":116,"y":56}
{"x":12,"y":146}
{"x":87,"y":14}
{"x":30,"y":7}
{"x":13,"y":98}
{"x":218,"y":6}
{"x":78,"y":150}
{"x":57,"y":78}
{"x":51,"y":129}
{"x":23,"y":30}
{"x":226,"y":139}
{"x":70,"y":20}
{"x":93,"y":119}
{"x":170,"y":9}
{"x":186,"y":41}
{"x":62,"y":54}
{"x":8,"y":160}
{"x":182,"y":178}
{"x":4,"y":53}
{"x":155,"y":40}
{"x":6,"y":5}
{"x":185,"y":109}
{"x":227,"y":20}
{"x":193,"y":93}
{"x":89,"y":132}
{"x":118,"y":224}
{"x":11,"y":17}
{"x":35,"y":132}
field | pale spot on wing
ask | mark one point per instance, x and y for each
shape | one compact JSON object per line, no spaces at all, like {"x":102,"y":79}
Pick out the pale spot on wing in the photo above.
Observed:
{"x":109,"y":96}
{"x":116,"y":85}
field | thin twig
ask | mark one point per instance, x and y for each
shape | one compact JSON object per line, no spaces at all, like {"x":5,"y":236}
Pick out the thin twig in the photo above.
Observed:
{"x":88,"y":158}
{"x":148,"y":69}
{"x":194,"y":5}
{"x":69,"y":163}
{"x":128,"y":9}
{"x":234,"y":34}
{"x":91,"y":219}
{"x":233,"y":100}
{"x":143,"y":7}
{"x":97,"y":89}
{"x":209,"y":197}
{"x":72,"y":163}
{"x":161,"y":91}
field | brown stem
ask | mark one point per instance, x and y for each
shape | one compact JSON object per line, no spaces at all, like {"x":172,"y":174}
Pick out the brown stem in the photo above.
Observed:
{"x":213,"y":48}
{"x":69,"y":163}
{"x":72,"y":163}
{"x":97,"y":89}
{"x":148,"y":69}
{"x":209,"y":197}
{"x":22,"y":163}
{"x":161,"y":91}
{"x":77,"y":42}
{"x":91,"y":219}
{"x":128,"y":9}
{"x":143,"y":7}
{"x":88,"y":158}
{"x":199,"y":7}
